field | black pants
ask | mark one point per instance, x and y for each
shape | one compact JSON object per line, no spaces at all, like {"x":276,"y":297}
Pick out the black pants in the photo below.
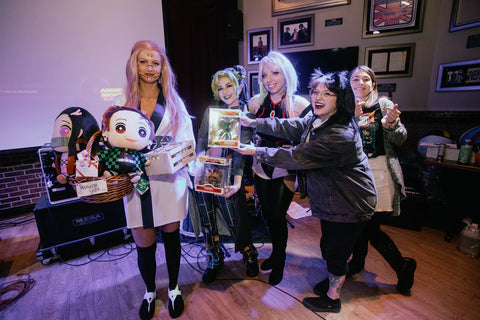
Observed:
{"x":275,"y":198}
{"x":338,"y":240}
{"x":380,"y":241}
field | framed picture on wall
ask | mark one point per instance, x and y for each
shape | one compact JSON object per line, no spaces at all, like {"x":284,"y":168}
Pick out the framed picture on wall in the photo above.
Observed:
{"x":259,"y":44}
{"x":391,"y":61}
{"x":459,"y":76}
{"x":280,"y":7}
{"x":393,"y":17}
{"x":295,"y":32}
{"x":253,"y":83}
{"x":465,"y":14}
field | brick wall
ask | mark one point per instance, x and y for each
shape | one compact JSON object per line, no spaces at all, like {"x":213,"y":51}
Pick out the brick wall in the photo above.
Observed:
{"x":20,"y":182}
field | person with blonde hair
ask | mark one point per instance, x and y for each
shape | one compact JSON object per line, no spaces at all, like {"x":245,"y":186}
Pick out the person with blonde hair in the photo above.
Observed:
{"x":230,"y":92}
{"x":151,"y":87}
{"x":275,"y":187}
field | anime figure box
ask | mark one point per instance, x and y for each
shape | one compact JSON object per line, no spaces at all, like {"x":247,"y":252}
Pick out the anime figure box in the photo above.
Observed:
{"x":213,"y":176}
{"x":224,"y":128}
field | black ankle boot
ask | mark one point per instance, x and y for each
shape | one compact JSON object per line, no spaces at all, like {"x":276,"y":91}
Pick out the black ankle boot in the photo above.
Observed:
{"x":215,"y":263}
{"x":267,"y":264}
{"x":251,"y":262}
{"x":278,"y":265}
{"x":405,"y":275}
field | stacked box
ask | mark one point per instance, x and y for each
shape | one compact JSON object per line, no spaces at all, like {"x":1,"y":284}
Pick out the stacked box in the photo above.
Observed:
{"x":170,"y":158}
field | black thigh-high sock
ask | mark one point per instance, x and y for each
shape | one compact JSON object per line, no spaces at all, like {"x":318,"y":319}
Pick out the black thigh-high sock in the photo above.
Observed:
{"x":147,"y":265}
{"x":171,"y":241}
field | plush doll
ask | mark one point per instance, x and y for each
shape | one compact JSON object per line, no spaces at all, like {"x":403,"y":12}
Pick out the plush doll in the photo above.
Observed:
{"x":127,"y":133}
{"x":72,"y":129}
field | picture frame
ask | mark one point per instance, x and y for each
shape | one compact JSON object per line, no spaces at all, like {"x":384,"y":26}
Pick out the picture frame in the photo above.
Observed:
{"x":392,"y":61}
{"x":392,"y":18}
{"x":254,"y":87}
{"x":259,"y":44}
{"x":295,"y":32}
{"x":459,"y":76}
{"x":465,"y":14}
{"x":280,"y":7}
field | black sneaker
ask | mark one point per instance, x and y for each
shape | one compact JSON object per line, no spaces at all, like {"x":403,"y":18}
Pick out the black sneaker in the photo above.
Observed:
{"x":321,"y":288}
{"x":405,"y":275}
{"x":322,"y":304}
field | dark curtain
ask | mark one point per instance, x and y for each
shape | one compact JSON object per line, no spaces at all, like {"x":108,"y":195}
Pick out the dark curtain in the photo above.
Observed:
{"x":198,"y":44}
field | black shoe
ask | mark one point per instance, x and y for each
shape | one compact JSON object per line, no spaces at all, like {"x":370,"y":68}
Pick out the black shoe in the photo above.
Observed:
{"x":405,"y":275}
{"x":321,"y":288}
{"x":267,"y":264}
{"x":251,"y":262}
{"x":147,"y":309}
{"x":209,"y":275}
{"x":354,"y":268}
{"x":322,"y":304}
{"x":175,"y":303}
{"x":276,"y":276}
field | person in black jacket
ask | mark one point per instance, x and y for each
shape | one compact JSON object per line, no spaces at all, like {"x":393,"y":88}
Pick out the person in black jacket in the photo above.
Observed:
{"x":334,"y":173}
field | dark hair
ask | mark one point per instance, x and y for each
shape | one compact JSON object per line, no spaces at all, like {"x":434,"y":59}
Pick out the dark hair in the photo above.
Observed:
{"x":337,"y":82}
{"x":81,"y":120}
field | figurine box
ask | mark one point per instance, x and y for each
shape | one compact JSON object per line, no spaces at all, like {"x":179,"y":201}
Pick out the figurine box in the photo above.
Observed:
{"x":170,"y":158}
{"x":213,"y":175}
{"x":224,"y":128}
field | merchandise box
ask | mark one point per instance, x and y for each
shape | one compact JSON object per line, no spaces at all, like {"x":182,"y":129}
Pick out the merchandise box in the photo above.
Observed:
{"x":213,"y":175}
{"x":170,"y":158}
{"x":224,"y":128}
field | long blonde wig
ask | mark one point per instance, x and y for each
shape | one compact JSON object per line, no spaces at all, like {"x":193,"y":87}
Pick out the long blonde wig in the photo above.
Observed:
{"x":174,"y":105}
{"x":276,"y":60}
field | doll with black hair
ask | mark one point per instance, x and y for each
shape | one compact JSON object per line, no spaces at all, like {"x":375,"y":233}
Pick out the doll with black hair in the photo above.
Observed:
{"x":72,"y":129}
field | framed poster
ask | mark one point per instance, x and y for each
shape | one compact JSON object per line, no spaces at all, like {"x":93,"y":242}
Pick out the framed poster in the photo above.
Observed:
{"x":253,"y":83}
{"x":295,"y":32}
{"x":259,"y":44}
{"x":465,"y":14}
{"x":459,"y":76}
{"x":393,"y":17}
{"x":391,"y":61}
{"x":280,"y":7}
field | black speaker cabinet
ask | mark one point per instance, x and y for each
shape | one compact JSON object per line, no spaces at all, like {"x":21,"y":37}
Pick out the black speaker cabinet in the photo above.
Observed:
{"x":74,"y":228}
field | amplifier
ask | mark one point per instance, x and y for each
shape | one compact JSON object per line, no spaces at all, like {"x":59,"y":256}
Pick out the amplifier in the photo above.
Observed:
{"x":56,"y":192}
{"x":65,"y":227}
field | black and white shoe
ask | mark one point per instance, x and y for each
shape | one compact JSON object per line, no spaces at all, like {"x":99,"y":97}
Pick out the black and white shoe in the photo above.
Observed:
{"x":147,"y":309}
{"x":175,"y":303}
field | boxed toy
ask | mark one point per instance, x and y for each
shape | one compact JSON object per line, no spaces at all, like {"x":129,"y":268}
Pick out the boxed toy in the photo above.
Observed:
{"x":224,"y":128}
{"x":214,"y":175}
{"x":170,"y":158}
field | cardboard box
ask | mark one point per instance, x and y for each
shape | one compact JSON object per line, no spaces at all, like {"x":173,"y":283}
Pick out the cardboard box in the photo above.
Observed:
{"x":214,"y":175}
{"x":170,"y":158}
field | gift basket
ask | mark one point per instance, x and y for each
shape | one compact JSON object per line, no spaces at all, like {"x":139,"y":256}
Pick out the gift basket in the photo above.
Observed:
{"x":117,"y":186}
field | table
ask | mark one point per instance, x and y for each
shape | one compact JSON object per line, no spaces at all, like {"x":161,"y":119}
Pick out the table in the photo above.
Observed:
{"x":460,"y":184}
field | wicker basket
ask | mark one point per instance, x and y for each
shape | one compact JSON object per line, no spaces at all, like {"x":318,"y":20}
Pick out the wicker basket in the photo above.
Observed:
{"x":118,"y":186}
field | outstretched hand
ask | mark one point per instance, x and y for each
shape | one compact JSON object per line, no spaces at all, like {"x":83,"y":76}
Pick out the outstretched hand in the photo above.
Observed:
{"x":246,"y":121}
{"x":392,"y":116}
{"x":246,"y":149}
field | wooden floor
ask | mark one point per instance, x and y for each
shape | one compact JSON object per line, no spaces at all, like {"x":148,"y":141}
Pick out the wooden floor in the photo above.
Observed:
{"x":106,"y":284}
